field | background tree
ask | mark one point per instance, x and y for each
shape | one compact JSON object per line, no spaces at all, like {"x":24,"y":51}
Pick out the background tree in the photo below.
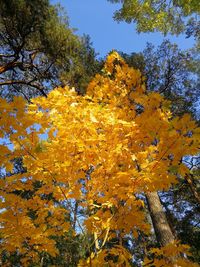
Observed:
{"x":38,"y":49}
{"x":164,"y":16}
{"x":172,"y":72}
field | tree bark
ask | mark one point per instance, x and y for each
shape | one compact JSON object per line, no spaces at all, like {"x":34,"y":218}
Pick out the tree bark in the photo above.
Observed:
{"x":9,"y":66}
{"x":161,"y":226}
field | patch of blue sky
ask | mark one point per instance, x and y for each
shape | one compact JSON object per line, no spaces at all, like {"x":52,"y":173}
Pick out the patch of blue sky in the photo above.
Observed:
{"x":6,"y":142}
{"x":95,"y":18}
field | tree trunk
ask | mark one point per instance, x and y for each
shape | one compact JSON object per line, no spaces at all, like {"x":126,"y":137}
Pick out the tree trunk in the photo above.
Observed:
{"x":161,"y":226}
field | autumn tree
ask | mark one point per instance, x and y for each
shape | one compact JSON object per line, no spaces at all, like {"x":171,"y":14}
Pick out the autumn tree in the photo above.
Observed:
{"x":38,"y":51}
{"x":173,"y":17}
{"x":101,"y":151}
{"x":173,"y":73}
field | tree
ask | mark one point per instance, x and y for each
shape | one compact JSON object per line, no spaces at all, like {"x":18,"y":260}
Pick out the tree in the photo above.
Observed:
{"x":168,"y":17}
{"x":102,"y":151}
{"x":182,"y":207}
{"x":86,"y":66}
{"x":163,"y":16}
{"x":173,"y":73}
{"x":38,"y":49}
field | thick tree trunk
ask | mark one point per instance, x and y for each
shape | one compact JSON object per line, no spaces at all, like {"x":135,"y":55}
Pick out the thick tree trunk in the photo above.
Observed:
{"x":161,"y":226}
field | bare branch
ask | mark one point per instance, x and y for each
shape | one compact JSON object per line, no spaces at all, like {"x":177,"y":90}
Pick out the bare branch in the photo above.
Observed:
{"x":12,"y":82}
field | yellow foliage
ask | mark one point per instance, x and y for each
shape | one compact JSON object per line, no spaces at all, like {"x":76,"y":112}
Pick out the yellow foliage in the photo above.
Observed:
{"x":99,"y":150}
{"x":170,"y":255}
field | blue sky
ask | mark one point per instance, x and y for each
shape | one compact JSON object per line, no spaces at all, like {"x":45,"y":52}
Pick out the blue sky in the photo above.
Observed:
{"x":94,"y":17}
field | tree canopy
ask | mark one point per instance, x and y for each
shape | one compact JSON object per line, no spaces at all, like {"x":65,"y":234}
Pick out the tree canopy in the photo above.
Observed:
{"x":102,"y":151}
{"x":39,"y":50}
{"x":164,"y":16}
{"x":172,"y":72}
{"x":99,"y":165}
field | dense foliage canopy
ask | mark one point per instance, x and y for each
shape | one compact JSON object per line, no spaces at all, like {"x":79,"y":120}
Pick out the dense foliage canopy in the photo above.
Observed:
{"x":98,"y":154}
{"x":165,"y":16}
{"x":102,"y":169}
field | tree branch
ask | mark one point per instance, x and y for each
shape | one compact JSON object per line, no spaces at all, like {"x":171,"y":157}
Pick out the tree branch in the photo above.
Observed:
{"x":12,"y":82}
